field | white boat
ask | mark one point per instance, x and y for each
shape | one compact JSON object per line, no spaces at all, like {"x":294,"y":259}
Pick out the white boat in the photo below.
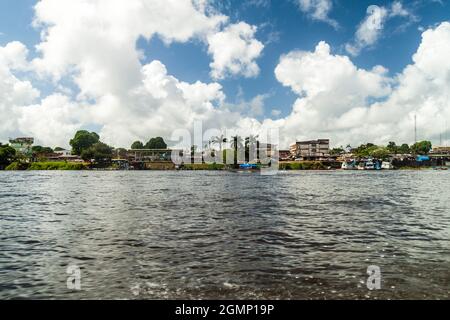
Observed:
{"x":370,"y":165}
{"x":386,"y":165}
{"x":348,"y":165}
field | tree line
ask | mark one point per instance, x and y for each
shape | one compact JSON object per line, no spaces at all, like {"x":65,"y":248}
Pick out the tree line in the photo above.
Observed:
{"x":382,"y":152}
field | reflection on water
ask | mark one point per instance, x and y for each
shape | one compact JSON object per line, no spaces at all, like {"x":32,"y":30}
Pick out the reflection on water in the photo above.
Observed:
{"x":157,"y":235}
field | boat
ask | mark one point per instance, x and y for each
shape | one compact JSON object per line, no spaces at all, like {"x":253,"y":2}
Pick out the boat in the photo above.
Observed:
{"x":361,"y":166}
{"x":348,"y":165}
{"x":386,"y":165}
{"x":369,"y":165}
{"x":248,"y":166}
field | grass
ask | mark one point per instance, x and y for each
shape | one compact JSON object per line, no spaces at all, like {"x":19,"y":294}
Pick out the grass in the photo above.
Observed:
{"x":15,"y":166}
{"x":203,"y":166}
{"x":56,"y":166}
{"x":302,"y":165}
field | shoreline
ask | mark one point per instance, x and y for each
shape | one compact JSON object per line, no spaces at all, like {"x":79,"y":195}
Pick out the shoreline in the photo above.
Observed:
{"x":283,"y":166}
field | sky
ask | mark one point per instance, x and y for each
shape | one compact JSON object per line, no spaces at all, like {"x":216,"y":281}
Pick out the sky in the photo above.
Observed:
{"x":351,"y":71}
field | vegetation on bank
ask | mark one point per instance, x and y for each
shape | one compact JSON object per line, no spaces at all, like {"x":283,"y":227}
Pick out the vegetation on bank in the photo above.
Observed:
{"x":45,"y":166}
{"x":203,"y":166}
{"x":302,"y":165}
{"x":384,"y":152}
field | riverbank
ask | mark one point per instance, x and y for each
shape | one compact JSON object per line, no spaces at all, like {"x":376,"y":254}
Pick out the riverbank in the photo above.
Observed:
{"x":284,"y":166}
{"x":45,"y":166}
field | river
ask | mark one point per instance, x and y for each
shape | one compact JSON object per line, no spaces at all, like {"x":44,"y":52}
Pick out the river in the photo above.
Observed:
{"x":225,"y":235}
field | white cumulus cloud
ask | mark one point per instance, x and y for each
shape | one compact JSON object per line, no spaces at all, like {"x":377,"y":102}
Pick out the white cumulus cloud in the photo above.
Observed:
{"x":93,"y":44}
{"x":234,"y":51}
{"x":318,"y":10}
{"x":337,"y":100}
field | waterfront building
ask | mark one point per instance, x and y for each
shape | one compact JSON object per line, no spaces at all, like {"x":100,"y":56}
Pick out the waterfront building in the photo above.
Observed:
{"x":285,"y":155}
{"x":22,"y":145}
{"x":311,"y":149}
{"x":63,"y":153}
{"x":151,"y":155}
{"x":441,"y":150}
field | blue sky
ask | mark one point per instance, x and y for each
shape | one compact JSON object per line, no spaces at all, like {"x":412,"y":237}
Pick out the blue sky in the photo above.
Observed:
{"x":282,"y":27}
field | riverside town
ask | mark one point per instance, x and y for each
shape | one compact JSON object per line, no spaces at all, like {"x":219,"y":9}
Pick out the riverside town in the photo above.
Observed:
{"x":234,"y":153}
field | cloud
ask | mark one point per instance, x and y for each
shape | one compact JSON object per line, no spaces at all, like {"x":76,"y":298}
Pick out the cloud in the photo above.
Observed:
{"x":234,"y":51}
{"x":14,"y":92}
{"x":371,"y":28}
{"x":14,"y":56}
{"x":127,"y":100}
{"x":337,"y":100}
{"x":93,"y":45}
{"x":253,"y":108}
{"x":318,"y":10}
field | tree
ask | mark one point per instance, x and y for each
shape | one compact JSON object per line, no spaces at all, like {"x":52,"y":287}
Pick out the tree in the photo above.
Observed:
{"x":392,"y":147}
{"x":220,"y":140}
{"x":422,"y":147}
{"x":381,"y":153}
{"x":120,"y":153}
{"x":236,"y":145}
{"x":100,"y":152}
{"x":83,"y":140}
{"x":156,"y":143}
{"x":337,"y":151}
{"x":137,"y":145}
{"x":42,"y":150}
{"x":7,"y":155}
{"x":365,"y":150}
{"x":251,"y":144}
{"x":59,"y":149}
{"x":404,"y":149}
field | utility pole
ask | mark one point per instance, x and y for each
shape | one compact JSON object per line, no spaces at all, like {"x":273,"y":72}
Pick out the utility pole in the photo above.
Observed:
{"x":415,"y":128}
{"x":445,"y":133}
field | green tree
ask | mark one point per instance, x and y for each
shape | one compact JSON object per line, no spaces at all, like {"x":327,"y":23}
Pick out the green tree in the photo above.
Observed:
{"x":251,"y":143}
{"x":381,"y":153}
{"x":422,"y":147}
{"x":156,"y":143}
{"x":365,"y":150}
{"x":404,"y":149}
{"x":392,"y":147}
{"x":59,"y":149}
{"x":220,"y":140}
{"x":137,"y":145}
{"x":337,"y":151}
{"x":99,"y":152}
{"x":83,"y":140}
{"x":120,"y":153}
{"x":7,"y":155}
{"x":236,"y":145}
{"x":40,"y":149}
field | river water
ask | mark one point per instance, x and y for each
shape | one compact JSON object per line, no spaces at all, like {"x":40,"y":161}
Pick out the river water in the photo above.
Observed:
{"x":225,"y":235}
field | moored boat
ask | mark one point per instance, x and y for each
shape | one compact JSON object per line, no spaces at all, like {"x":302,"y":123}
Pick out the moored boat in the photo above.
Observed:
{"x":386,"y":165}
{"x":348,"y":165}
{"x":370,"y":165}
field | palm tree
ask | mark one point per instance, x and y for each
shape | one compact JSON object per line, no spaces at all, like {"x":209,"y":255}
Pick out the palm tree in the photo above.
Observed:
{"x":220,"y":140}
{"x":251,"y":143}
{"x":237,"y":142}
